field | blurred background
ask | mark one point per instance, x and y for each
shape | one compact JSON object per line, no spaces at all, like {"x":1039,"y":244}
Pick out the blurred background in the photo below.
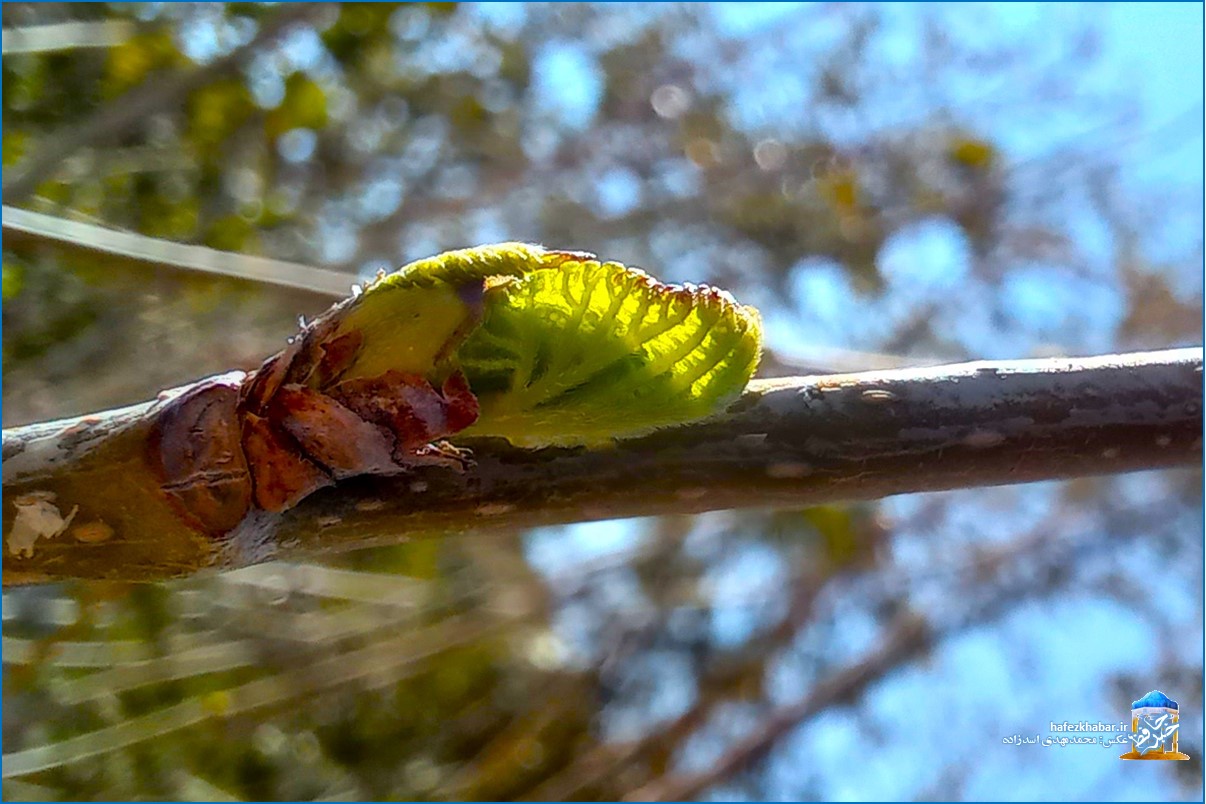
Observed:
{"x":891,"y":184}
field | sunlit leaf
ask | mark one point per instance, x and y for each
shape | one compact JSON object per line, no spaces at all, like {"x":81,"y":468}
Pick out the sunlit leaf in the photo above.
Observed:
{"x":558,"y":348}
{"x":588,"y":352}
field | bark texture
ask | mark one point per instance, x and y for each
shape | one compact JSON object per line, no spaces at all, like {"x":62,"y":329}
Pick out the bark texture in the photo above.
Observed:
{"x":787,"y":442}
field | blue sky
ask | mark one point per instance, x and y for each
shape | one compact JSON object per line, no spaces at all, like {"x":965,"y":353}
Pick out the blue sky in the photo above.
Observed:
{"x":1150,"y":55}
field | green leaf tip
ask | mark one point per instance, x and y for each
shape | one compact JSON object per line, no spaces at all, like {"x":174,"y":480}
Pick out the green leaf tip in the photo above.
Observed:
{"x":587,"y":352}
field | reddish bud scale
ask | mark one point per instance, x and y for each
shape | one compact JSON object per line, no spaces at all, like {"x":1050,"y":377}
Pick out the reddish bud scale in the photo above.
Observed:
{"x":273,"y":438}
{"x":409,"y":407}
{"x":195,"y":448}
{"x":282,"y":475}
{"x":331,"y":434}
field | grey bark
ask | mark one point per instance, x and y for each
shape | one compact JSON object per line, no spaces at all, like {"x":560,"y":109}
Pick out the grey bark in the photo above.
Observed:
{"x":786,"y":443}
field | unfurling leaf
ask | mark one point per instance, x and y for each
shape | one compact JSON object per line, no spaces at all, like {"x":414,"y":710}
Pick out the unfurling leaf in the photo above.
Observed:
{"x":591,"y":351}
{"x":558,"y":347}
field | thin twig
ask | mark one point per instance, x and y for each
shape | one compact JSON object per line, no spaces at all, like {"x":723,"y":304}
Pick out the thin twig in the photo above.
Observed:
{"x":381,"y":663}
{"x":66,"y":36}
{"x":907,"y":638}
{"x":22,"y":225}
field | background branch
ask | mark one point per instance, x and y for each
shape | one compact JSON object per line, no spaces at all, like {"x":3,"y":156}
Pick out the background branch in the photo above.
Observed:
{"x":909,"y":637}
{"x":26,"y":226}
{"x":65,"y":36}
{"x":135,"y":106}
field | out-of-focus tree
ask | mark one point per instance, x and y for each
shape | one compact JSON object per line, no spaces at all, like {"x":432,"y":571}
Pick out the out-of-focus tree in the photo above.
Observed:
{"x":876,"y":180}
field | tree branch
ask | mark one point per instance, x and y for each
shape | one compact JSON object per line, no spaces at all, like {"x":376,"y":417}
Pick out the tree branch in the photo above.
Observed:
{"x":65,"y":36}
{"x":912,"y":635}
{"x":786,"y":443}
{"x":909,"y":637}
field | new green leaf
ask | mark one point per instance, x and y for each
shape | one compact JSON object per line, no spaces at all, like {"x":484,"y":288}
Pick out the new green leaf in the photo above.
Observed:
{"x":586,"y":352}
